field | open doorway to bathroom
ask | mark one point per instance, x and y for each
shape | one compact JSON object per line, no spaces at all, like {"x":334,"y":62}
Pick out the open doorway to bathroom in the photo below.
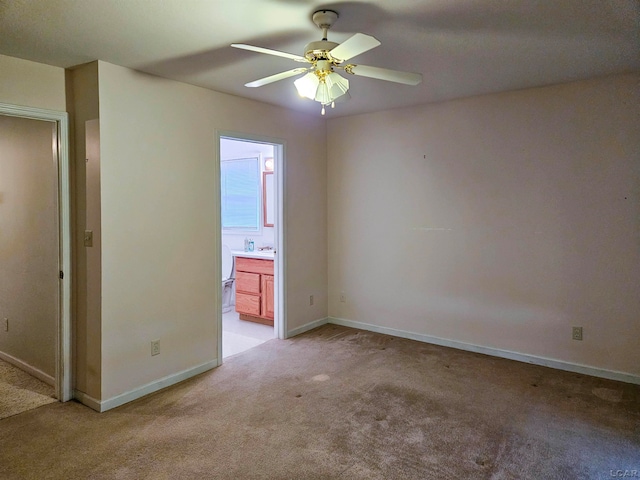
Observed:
{"x":250,"y":242}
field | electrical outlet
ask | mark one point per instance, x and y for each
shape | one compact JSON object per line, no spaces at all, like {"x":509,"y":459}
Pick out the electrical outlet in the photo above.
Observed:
{"x":6,"y":324}
{"x":576,"y":333}
{"x":155,"y":347}
{"x":310,"y":300}
{"x":343,"y":298}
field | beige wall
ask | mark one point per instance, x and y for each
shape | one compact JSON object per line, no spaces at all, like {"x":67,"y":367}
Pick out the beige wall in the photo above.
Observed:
{"x":31,"y":84}
{"x":500,"y":221}
{"x":158,"y":269}
{"x":83,"y":106}
{"x":28,"y":242}
{"x":159,"y":251}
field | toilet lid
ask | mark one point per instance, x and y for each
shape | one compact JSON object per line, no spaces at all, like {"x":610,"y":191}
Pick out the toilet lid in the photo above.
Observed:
{"x":227,"y":262}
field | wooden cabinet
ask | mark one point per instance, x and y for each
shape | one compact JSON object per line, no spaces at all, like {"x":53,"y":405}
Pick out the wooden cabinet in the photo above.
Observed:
{"x":254,"y":290}
{"x":267,"y":296}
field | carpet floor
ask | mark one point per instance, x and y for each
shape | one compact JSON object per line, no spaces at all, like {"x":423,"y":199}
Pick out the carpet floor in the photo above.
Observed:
{"x":20,"y":392}
{"x":347,"y":404}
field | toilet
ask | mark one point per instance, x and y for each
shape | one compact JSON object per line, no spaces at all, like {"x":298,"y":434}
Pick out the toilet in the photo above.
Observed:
{"x":227,"y":279}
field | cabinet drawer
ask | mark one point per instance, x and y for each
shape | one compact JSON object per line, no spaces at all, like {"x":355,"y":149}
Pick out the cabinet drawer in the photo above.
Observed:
{"x":248,"y":282}
{"x":249,"y":304}
{"x":254,"y":265}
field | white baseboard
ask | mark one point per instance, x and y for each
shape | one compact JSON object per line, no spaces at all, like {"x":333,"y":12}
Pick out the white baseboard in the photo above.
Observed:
{"x":113,"y":402}
{"x":307,"y":326}
{"x":86,"y":400}
{"x":496,"y":352}
{"x":33,"y":371}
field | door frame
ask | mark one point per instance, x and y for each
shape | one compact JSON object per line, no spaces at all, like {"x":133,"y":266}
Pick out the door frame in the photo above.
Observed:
{"x":279,"y":153}
{"x":63,"y":378}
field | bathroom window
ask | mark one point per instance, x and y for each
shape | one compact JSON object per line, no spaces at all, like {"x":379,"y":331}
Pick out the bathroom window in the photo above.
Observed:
{"x":241,"y":195}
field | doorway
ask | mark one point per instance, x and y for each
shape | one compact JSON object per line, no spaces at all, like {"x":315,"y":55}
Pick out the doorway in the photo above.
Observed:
{"x":251,"y":242}
{"x":35,"y":281}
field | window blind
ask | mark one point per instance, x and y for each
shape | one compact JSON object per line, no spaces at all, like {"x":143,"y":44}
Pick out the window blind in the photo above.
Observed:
{"x":241,"y":197}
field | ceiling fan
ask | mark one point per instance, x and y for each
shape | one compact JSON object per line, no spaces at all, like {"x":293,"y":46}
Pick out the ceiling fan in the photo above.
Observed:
{"x":321,"y":82}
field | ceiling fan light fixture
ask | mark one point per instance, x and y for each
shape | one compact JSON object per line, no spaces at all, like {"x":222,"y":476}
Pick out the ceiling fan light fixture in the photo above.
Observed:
{"x":337,"y":84}
{"x":322,"y":94}
{"x":307,"y":85}
{"x":324,"y":88}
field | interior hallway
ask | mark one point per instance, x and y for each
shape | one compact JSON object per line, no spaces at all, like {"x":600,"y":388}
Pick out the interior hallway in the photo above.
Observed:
{"x":20,"y":392}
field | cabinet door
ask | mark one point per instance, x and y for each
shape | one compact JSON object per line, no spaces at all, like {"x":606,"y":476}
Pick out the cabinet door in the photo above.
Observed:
{"x":248,"y":304}
{"x":267,"y":296}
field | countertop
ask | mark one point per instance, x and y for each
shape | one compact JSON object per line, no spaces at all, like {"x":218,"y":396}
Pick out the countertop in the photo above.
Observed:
{"x":262,"y":254}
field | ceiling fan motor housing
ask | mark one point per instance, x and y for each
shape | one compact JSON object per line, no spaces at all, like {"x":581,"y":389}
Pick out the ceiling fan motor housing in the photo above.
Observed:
{"x":319,"y":50}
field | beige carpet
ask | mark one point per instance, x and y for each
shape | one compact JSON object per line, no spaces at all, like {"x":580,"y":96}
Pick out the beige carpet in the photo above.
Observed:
{"x":20,"y":392}
{"x":342,"y":403}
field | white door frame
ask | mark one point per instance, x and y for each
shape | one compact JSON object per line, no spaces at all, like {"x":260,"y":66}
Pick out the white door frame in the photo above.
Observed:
{"x":280,"y":310}
{"x":61,"y":153}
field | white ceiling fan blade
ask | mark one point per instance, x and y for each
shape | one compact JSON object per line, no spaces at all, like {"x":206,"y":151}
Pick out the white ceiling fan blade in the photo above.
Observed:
{"x":407,"y":78}
{"x":268,"y":51}
{"x":354,"y":46}
{"x":274,"y":78}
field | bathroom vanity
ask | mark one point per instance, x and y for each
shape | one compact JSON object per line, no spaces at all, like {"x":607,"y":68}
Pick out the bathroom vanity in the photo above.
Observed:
{"x":254,"y":286}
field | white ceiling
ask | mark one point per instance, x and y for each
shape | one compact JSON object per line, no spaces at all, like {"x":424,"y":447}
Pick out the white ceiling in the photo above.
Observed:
{"x":462,"y":47}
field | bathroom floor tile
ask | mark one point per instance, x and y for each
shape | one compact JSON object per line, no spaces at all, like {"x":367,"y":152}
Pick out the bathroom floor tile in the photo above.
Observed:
{"x":240,"y":335}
